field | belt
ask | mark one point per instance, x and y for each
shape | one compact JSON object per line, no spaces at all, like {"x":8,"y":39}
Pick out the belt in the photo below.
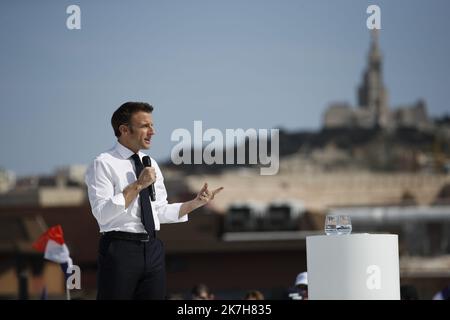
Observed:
{"x":130,"y":236}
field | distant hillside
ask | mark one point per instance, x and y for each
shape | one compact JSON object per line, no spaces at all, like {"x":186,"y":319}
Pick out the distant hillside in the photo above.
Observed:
{"x":405,"y":149}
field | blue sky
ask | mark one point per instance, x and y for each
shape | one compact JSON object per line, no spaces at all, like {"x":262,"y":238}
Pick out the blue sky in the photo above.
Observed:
{"x":231,"y":64}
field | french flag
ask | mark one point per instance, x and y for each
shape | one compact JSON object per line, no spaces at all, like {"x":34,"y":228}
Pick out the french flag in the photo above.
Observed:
{"x":52,"y":244}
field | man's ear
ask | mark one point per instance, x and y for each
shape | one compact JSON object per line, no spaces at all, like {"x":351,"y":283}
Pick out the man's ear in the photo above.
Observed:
{"x":123,"y":128}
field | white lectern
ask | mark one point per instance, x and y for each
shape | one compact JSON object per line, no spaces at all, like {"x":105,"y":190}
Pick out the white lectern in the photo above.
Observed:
{"x":355,"y":266}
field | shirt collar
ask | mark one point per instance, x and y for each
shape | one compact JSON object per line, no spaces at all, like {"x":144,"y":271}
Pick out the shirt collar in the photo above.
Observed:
{"x":124,"y":152}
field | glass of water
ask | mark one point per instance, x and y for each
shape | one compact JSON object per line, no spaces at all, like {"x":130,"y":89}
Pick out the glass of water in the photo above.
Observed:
{"x":331,"y":224}
{"x":344,"y":224}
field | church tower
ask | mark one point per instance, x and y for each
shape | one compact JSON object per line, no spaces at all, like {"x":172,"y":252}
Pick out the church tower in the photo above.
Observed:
{"x":372,"y":95}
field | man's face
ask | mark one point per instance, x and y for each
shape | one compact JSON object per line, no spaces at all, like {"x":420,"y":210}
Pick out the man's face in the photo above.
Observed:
{"x":139,"y":132}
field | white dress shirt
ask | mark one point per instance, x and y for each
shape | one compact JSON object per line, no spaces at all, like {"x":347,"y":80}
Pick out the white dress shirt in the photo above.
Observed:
{"x":107,"y":176}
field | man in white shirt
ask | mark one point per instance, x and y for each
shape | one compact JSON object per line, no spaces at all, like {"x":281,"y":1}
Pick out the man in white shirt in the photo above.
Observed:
{"x":131,"y":257}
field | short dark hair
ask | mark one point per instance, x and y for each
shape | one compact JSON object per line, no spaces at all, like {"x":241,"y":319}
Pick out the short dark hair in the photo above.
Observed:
{"x":123,"y":114}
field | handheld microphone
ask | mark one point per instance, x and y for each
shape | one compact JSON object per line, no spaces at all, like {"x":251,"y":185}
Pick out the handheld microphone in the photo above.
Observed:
{"x":151,"y":188}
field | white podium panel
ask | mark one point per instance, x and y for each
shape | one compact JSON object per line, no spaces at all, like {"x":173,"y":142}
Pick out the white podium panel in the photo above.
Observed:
{"x":355,"y":267}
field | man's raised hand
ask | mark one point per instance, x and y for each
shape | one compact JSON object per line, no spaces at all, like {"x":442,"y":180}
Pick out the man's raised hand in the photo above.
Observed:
{"x":205,"y":195}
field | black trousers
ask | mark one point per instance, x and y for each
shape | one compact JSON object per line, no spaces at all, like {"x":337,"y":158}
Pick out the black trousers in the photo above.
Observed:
{"x":131,"y":269}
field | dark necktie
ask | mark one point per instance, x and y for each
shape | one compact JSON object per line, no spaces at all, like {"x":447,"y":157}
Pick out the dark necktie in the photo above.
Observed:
{"x":144,"y":196}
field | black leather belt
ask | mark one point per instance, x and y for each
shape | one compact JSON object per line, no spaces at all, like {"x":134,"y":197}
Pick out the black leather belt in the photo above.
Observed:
{"x":130,"y":236}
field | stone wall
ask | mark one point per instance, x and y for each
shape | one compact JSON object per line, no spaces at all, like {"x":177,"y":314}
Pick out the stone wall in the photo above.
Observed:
{"x":319,"y":190}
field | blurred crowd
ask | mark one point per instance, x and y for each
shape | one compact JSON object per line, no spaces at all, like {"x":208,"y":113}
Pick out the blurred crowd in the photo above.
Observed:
{"x":298,"y":291}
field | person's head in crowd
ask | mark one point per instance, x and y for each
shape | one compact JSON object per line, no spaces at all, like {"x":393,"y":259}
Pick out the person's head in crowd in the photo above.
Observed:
{"x":444,"y":294}
{"x":254,"y":295}
{"x":201,"y":292}
{"x":301,"y":285}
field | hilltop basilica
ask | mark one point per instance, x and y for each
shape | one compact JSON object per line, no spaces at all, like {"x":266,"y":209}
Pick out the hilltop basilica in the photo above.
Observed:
{"x":373,"y":104}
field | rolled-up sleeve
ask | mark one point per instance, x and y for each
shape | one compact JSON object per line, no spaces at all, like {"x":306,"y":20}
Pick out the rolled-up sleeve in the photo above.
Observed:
{"x":167,"y":213}
{"x":105,"y":204}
